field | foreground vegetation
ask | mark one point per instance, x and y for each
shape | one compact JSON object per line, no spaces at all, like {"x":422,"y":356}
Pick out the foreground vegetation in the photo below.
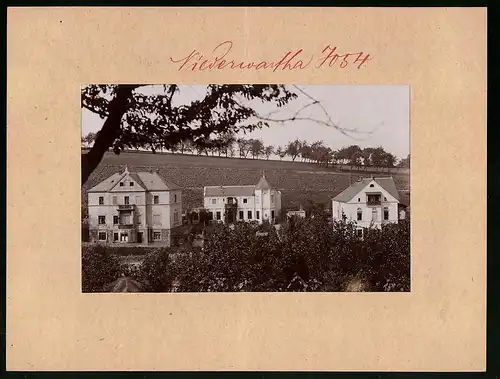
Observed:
{"x":304,"y":255}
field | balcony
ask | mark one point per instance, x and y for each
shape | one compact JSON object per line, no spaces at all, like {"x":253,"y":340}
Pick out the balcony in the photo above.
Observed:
{"x":126,"y":207}
{"x":373,"y":202}
{"x":231,"y":203}
{"x":125,"y":226}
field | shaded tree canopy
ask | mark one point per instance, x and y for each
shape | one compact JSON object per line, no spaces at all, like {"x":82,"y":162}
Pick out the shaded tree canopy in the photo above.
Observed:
{"x":136,"y":119}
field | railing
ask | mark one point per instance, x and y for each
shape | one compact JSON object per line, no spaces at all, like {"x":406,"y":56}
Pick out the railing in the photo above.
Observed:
{"x":125,"y":226}
{"x":374,"y":202}
{"x":125,"y":207}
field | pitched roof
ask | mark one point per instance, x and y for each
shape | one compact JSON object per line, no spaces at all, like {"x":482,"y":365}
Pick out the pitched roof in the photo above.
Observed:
{"x":262,"y":184}
{"x":154,"y":182}
{"x":215,"y":191}
{"x":149,"y":181}
{"x":107,"y":184}
{"x":386,"y":183}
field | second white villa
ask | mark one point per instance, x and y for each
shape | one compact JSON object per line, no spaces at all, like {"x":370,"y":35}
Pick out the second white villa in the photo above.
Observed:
{"x":229,"y":204}
{"x":369,"y":202}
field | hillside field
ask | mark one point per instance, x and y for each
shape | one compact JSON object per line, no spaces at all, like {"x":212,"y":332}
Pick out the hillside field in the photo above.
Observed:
{"x":299,"y":182}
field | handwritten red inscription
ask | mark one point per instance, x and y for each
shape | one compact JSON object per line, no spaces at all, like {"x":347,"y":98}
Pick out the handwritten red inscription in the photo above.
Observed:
{"x":292,"y":60}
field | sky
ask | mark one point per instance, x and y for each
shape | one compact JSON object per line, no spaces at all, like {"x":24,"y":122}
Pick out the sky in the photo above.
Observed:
{"x":379,"y":113}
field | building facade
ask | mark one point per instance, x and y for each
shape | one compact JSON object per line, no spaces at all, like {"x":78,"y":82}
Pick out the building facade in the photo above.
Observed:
{"x":134,"y":207}
{"x":369,"y":202}
{"x":229,"y":204}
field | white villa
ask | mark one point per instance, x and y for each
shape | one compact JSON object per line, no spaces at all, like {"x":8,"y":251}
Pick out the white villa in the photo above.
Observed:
{"x":230,"y":204}
{"x":134,"y":207}
{"x":370,"y":201}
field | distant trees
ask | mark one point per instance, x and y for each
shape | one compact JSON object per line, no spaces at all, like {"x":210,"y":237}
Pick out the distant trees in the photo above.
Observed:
{"x":405,"y":162}
{"x":268,"y":151}
{"x":227,"y":144}
{"x":293,"y":149}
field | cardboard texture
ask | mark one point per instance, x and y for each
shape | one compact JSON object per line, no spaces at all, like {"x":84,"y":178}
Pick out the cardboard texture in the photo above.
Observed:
{"x":440,"y":325}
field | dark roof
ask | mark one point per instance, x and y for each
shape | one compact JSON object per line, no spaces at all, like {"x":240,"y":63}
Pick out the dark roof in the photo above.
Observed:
{"x":125,"y":284}
{"x":154,"y":182}
{"x":149,"y":181}
{"x":107,"y":184}
{"x":386,"y":183}
{"x":216,"y":191}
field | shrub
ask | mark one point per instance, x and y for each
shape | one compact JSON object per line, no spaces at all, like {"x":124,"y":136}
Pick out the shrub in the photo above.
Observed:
{"x":99,"y":268}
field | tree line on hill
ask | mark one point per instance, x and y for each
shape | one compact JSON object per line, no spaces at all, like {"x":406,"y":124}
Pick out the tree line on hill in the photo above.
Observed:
{"x":135,"y":118}
{"x":229,"y":146}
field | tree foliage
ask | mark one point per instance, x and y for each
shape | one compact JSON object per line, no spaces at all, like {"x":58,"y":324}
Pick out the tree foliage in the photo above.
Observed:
{"x":137,"y":119}
{"x":99,"y":268}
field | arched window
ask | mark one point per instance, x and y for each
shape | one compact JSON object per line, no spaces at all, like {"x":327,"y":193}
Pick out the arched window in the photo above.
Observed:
{"x":360,"y":214}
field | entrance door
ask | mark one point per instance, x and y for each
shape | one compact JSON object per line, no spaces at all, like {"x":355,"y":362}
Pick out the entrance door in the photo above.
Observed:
{"x":230,"y":216}
{"x":139,"y":237}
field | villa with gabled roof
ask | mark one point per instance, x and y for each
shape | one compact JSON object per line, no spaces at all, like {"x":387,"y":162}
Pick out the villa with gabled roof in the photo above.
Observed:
{"x":369,"y":202}
{"x":134,"y":207}
{"x":230,"y":204}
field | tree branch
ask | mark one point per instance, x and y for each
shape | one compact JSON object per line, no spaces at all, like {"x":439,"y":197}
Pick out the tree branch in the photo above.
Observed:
{"x":109,"y":132}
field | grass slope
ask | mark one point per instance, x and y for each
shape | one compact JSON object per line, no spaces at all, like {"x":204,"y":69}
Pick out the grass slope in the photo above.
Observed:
{"x":299,"y":182}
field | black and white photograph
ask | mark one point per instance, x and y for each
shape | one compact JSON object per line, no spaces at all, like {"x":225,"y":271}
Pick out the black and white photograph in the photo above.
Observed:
{"x":245,"y":188}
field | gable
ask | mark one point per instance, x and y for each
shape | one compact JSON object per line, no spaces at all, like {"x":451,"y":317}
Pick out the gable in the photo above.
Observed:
{"x":375,"y":186}
{"x":358,"y":189}
{"x":131,"y":182}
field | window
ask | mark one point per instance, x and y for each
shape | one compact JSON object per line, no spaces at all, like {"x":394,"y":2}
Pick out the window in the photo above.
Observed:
{"x":245,"y":201}
{"x":249,"y":215}
{"x":257,"y":215}
{"x":156,"y":219}
{"x":385,"y":198}
{"x":102,"y":220}
{"x":157,"y":236}
{"x":359,"y":199}
{"x":371,"y":186}
{"x":101,"y":200}
{"x":115,"y":220}
{"x":211,"y":215}
{"x":131,"y":184}
{"x":214,"y":201}
{"x":121,"y":184}
{"x":360,"y":214}
{"x":137,"y":200}
{"x":359,"y":232}
{"x":386,"y":213}
{"x":218,"y":215}
{"x":175,"y":198}
{"x":126,"y":200}
{"x":115,"y":237}
{"x":102,"y":236}
{"x":156,"y":199}
{"x":241,"y":215}
{"x":139,"y":219}
{"x":176,"y":216}
{"x":374,"y":214}
{"x":272,"y":198}
{"x":115,"y":200}
{"x":272,"y":215}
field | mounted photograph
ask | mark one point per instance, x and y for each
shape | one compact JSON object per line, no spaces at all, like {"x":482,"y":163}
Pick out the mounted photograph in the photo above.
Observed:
{"x":245,"y":188}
